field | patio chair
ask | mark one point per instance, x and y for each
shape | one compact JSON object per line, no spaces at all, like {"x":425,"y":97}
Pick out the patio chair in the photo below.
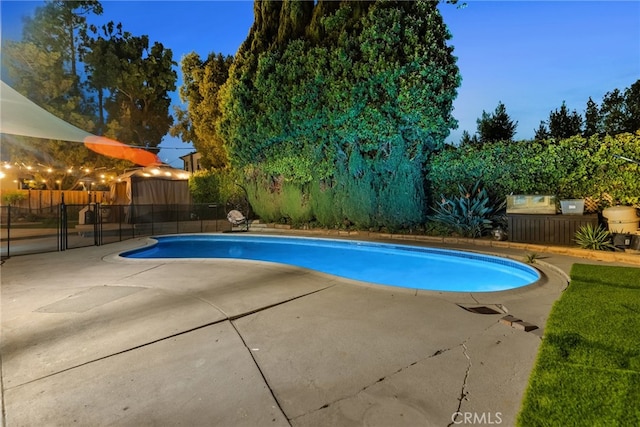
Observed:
{"x":238,"y":213}
{"x":237,"y":219}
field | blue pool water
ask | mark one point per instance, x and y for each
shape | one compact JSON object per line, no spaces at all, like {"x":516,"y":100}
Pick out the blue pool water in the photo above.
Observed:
{"x":380,"y":263}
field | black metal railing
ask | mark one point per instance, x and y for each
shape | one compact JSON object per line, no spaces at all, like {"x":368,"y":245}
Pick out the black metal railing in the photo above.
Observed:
{"x":74,"y":226}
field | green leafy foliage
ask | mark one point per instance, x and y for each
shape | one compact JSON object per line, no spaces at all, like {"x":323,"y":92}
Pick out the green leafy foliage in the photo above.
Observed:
{"x":201,"y":91}
{"x":214,"y":186}
{"x":470,"y":214}
{"x":575,"y":167}
{"x":13,"y":197}
{"x":353,"y":95}
{"x":596,"y":238}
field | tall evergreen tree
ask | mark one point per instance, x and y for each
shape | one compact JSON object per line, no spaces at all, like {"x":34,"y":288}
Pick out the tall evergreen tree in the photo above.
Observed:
{"x":632,"y":107}
{"x":542,"y":133}
{"x":563,"y":124}
{"x":592,"y":119}
{"x":613,"y":112}
{"x":60,"y":26}
{"x":357,"y":109}
{"x":497,"y":126}
{"x":467,"y":139}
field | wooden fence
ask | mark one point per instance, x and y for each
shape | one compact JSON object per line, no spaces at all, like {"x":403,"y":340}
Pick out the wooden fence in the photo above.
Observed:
{"x":38,"y":200}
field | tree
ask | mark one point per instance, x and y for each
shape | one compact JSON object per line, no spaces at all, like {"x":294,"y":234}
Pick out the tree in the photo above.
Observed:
{"x":340,"y":116}
{"x":467,"y":139}
{"x":497,"y":126}
{"x":542,"y":133}
{"x":42,"y":68}
{"x":138,"y":83}
{"x":563,"y":124}
{"x":592,"y":119}
{"x":200,"y":91}
{"x":102,"y":64}
{"x":621,"y":110}
{"x":60,"y":26}
{"x":632,"y":107}
{"x":613,"y":112}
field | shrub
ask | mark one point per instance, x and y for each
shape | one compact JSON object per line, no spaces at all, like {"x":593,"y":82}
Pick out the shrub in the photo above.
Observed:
{"x":216,"y":185}
{"x":572,"y":168}
{"x":13,"y":197}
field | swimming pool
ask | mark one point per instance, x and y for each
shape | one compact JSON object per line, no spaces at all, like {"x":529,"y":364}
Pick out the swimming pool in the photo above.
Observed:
{"x":379,"y":263}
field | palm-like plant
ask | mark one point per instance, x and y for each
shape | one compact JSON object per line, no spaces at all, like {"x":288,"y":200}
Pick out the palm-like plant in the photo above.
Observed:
{"x":596,"y":238}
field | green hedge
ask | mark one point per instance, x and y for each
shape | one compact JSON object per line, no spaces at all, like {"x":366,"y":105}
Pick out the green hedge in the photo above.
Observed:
{"x":216,"y":185}
{"x":390,"y":192}
{"x":576,"y":167}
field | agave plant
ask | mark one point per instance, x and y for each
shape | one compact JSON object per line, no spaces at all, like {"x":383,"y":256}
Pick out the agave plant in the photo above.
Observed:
{"x":597,"y":238}
{"x":471,"y":214}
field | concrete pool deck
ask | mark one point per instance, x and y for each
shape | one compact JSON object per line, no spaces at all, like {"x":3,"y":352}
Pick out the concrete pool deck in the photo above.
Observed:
{"x":89,"y":339}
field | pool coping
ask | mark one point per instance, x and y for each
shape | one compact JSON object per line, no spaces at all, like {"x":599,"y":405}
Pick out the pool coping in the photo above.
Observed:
{"x":628,"y":257}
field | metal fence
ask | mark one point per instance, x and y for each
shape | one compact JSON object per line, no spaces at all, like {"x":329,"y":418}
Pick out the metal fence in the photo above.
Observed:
{"x":68,"y":226}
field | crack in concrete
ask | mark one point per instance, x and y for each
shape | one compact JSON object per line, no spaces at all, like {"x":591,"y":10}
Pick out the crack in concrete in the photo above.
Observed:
{"x":88,"y":362}
{"x":3,"y":418}
{"x":264,"y":378}
{"x":257,"y":310}
{"x":231,"y":320}
{"x":438,"y":352}
{"x":227,"y":318}
{"x":379,"y":380}
{"x":463,"y":390}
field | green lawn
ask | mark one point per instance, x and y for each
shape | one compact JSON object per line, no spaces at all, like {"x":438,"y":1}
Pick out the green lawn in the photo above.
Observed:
{"x":588,"y":367}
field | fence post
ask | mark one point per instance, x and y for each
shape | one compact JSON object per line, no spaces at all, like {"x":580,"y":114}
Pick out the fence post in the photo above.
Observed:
{"x":8,"y":230}
{"x":97,"y":224}
{"x":62,"y":226}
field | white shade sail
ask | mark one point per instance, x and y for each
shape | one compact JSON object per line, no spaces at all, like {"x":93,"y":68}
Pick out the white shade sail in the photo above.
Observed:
{"x":20,"y":116}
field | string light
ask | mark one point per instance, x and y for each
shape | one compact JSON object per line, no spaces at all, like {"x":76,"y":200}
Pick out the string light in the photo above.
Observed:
{"x":88,"y":176}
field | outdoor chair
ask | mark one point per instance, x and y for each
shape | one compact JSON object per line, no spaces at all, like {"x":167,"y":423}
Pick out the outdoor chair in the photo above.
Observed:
{"x":237,"y":219}
{"x":238,"y":212}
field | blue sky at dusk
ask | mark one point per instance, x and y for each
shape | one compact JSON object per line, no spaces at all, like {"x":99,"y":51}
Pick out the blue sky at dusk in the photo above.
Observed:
{"x":531,"y":55}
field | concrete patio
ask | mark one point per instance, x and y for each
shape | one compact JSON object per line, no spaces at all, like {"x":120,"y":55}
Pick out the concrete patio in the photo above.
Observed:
{"x":92,"y":339}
